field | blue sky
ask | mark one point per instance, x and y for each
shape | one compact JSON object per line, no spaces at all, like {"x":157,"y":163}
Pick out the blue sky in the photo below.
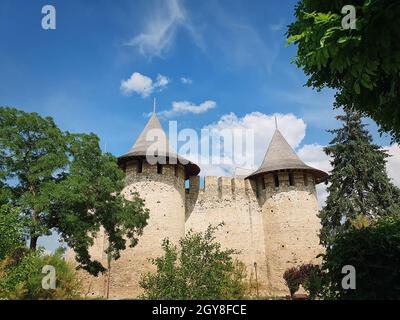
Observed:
{"x":233,"y":52}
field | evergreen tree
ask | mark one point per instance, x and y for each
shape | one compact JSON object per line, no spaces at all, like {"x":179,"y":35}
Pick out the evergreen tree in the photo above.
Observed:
{"x":358,"y":184}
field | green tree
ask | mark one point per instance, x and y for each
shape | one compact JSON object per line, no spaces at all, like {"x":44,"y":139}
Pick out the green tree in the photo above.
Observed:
{"x":362,"y":64}
{"x":374,"y":252}
{"x":199,"y":270}
{"x":358,"y":184}
{"x":63,"y":182}
{"x":21,"y":276}
{"x":11,"y":231}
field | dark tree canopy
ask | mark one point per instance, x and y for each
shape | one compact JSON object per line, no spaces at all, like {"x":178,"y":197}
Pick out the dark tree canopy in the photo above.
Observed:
{"x":63,"y":182}
{"x":362,"y":64}
{"x":374,"y":252}
{"x":358,"y":184}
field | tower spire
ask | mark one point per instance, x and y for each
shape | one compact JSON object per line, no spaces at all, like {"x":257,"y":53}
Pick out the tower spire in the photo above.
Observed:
{"x":154,"y":105}
{"x":276,"y":123}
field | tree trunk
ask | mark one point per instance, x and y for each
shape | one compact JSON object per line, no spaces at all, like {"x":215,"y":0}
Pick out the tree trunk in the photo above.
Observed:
{"x":33,"y":243}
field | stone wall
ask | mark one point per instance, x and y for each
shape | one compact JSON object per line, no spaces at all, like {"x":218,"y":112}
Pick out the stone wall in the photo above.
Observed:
{"x":274,"y":228}
{"x":233,"y":202}
{"x":291,"y":226}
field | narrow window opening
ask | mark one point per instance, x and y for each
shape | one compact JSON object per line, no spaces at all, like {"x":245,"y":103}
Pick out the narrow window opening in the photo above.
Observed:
{"x":139,"y":167}
{"x":276,"y":179}
{"x":159,"y":168}
{"x":176,"y":171}
{"x":291,"y":179}
{"x":305,"y":179}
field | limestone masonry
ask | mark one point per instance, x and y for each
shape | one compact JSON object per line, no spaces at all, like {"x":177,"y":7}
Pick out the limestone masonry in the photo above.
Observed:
{"x":270,"y":216}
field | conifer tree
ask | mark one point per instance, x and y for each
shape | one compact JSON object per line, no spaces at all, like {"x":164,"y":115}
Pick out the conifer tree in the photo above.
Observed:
{"x":358,"y":184}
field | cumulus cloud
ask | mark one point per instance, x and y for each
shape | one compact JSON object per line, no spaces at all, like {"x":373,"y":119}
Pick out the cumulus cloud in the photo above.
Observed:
{"x":314,"y":156}
{"x":186,"y":80}
{"x":182,"y":107}
{"x":244,"y":141}
{"x":143,"y":85}
{"x":393,"y":163}
{"x":160,"y":29}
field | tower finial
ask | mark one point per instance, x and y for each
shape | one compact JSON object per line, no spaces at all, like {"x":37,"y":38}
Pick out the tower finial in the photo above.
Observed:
{"x":154,"y":105}
{"x":276,"y":123}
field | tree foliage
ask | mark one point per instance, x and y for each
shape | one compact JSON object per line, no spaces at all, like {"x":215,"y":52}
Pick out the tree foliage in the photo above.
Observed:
{"x":374,"y":251}
{"x":307,"y":275}
{"x":362,"y":64}
{"x":293,"y":280}
{"x":21,"y":276}
{"x":358,"y":185}
{"x":198,"y":270}
{"x":63,"y":182}
{"x":11,"y":231}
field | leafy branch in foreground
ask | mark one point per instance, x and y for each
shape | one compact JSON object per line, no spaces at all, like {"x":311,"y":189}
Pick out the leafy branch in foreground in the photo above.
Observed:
{"x":63,"y":182}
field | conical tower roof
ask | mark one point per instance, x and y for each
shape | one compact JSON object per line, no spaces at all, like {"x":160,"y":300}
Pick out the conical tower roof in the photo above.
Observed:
{"x":145,"y":143}
{"x":281,"y":156}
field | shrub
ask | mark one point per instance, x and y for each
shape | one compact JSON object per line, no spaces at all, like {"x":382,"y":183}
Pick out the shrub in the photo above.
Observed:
{"x":198,"y":270}
{"x":312,"y":279}
{"x":307,"y":275}
{"x":374,"y":251}
{"x":293,"y":280}
{"x":21,"y":276}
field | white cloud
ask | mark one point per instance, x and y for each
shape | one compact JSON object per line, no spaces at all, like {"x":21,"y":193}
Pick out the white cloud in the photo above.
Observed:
{"x":161,"y":81}
{"x":393,"y":163}
{"x":182,"y":107}
{"x":143,"y":85}
{"x":160,"y":29}
{"x":314,"y":156}
{"x":262,"y":127}
{"x":186,"y":80}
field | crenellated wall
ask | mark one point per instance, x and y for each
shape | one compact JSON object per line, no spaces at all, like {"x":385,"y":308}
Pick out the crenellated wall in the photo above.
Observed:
{"x":273,"y":227}
{"x":233,"y":202}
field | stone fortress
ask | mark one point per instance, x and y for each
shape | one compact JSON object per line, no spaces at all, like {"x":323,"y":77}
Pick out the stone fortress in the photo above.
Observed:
{"x":270,"y":216}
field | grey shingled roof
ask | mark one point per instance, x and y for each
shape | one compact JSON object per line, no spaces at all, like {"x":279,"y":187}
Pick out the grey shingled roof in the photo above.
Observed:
{"x":281,"y":156}
{"x":165,"y":151}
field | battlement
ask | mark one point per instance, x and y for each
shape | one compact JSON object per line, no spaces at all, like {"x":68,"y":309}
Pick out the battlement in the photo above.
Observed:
{"x":219,"y":186}
{"x":137,"y":169}
{"x":235,"y":186}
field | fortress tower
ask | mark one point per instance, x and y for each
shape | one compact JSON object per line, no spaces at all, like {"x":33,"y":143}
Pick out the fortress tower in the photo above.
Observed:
{"x":159,"y":177}
{"x":270,"y":216}
{"x":286,"y":193}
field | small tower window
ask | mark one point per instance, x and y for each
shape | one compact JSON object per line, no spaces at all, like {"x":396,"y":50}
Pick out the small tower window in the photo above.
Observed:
{"x":305,"y":179}
{"x":176,"y":170}
{"x":291,"y":179}
{"x":276,"y":180}
{"x":260,"y":185}
{"x":139,"y":166}
{"x":159,"y":168}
